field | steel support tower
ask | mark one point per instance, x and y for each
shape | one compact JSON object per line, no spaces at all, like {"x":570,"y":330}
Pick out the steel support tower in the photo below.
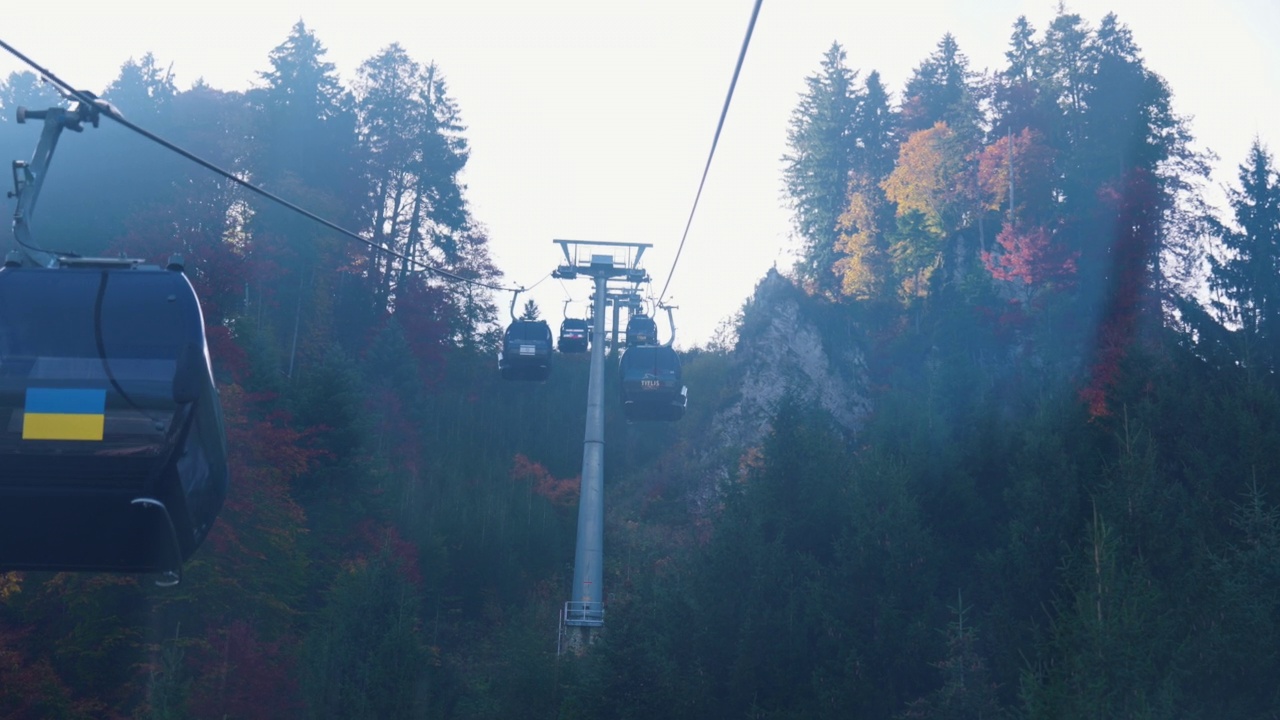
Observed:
{"x":583,"y":614}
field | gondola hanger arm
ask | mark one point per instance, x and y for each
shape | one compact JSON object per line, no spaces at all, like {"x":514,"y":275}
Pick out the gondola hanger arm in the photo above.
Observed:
{"x":670,"y":319}
{"x":29,"y":176}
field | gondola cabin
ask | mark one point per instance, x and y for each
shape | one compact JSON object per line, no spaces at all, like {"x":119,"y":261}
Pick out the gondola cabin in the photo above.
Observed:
{"x":112,"y":448}
{"x":652,"y":386}
{"x":573,"y":335}
{"x":641,"y":330}
{"x":526,"y":351}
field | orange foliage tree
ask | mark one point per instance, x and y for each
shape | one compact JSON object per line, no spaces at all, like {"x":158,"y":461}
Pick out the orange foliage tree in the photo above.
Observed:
{"x":1017,"y":168}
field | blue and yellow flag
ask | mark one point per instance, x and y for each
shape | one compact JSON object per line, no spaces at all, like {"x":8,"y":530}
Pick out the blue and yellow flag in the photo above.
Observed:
{"x":64,"y":414}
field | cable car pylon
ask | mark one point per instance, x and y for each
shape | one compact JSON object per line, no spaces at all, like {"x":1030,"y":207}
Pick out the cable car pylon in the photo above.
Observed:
{"x":583,"y":613}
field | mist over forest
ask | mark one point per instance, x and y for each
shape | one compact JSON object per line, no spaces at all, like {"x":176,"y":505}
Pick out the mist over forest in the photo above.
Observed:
{"x":1001,"y":444}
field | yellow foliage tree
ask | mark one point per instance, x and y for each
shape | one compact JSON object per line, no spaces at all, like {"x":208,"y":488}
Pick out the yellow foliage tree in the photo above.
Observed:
{"x":934,"y":188}
{"x":864,"y":270}
{"x":929,"y":177}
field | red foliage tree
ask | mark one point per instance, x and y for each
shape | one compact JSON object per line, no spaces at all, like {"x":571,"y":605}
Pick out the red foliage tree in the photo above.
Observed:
{"x":29,"y":687}
{"x":238,"y":674}
{"x":427,"y":316}
{"x":1021,"y":165}
{"x":1131,"y":294}
{"x":562,"y":493}
{"x":253,"y":559}
{"x":374,"y":537}
{"x":1031,"y":259}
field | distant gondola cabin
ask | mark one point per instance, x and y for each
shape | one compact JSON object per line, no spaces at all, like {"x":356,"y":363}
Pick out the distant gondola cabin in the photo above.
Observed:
{"x":641,"y":330}
{"x":573,"y":335}
{"x":526,"y":351}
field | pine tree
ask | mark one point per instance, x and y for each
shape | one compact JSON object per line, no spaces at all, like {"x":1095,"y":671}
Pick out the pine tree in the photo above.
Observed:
{"x":306,"y":132}
{"x":25,"y":89}
{"x":967,"y":692}
{"x":1062,"y":68}
{"x":941,"y":90}
{"x":412,"y":132}
{"x":1236,"y":626}
{"x":142,"y":91}
{"x":1022,"y":51}
{"x":1108,"y":651}
{"x":390,"y":115}
{"x":1246,"y":272}
{"x":366,"y":656}
{"x":875,"y":131}
{"x":818,"y":165}
{"x":306,"y":152}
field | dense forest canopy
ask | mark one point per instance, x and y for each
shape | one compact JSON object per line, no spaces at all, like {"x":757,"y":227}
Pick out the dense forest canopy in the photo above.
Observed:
{"x":1056,"y":497}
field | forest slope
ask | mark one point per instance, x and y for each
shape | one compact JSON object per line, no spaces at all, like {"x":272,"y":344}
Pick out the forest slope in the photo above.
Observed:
{"x":983,"y":452}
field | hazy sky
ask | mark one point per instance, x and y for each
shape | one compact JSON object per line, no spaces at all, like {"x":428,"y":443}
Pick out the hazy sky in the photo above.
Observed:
{"x":591,"y":119}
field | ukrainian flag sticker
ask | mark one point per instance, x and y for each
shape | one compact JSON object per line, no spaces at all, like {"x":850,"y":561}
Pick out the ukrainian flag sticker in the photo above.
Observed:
{"x":64,"y":414}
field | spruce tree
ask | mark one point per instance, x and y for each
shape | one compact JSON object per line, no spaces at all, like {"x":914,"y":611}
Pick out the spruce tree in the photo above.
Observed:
{"x":941,"y":90}
{"x":818,"y":165}
{"x":1245,"y":274}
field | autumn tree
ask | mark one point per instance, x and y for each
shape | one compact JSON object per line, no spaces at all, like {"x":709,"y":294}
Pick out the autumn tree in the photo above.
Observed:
{"x":865,"y":268}
{"x":1015,"y":175}
{"x":1029,"y":258}
{"x":933,"y":188}
{"x":864,"y":265}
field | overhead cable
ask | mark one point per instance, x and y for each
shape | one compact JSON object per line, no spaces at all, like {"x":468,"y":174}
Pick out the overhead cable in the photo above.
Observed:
{"x":746,"y":41}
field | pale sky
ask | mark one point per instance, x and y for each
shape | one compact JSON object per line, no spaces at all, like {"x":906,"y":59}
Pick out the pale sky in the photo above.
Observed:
{"x":591,"y":119}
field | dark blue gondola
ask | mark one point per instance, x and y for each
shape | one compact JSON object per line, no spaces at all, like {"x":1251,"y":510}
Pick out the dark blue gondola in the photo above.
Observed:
{"x":652,"y":386}
{"x":526,"y":351}
{"x":112,"y":447}
{"x":573,"y":336}
{"x":641,"y":330}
